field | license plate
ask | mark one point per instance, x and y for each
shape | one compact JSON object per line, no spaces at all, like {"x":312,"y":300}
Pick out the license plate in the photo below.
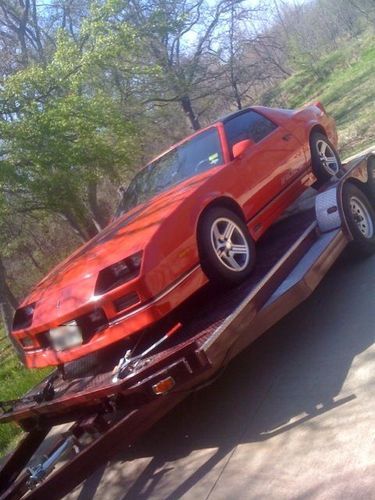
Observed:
{"x":66,"y":336}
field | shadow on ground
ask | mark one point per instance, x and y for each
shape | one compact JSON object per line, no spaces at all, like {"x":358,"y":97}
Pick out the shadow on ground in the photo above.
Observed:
{"x":288,"y":377}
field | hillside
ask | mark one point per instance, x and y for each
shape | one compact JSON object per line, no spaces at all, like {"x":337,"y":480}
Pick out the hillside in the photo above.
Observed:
{"x":344,"y":81}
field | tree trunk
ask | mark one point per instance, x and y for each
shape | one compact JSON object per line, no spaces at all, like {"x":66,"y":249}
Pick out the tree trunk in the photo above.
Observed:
{"x":189,"y":112}
{"x":89,"y":227}
{"x":38,"y":35}
{"x":232,"y":62}
{"x":5,"y":291}
{"x":29,"y":253}
{"x":84,"y":233}
{"x":8,"y":302}
{"x":6,"y":317}
{"x":66,"y":215}
{"x":80,"y":220}
{"x":237,"y":96}
{"x":100,"y":218}
{"x":21,"y":31}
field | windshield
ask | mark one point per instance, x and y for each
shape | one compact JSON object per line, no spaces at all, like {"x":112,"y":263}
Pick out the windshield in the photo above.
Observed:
{"x":200,"y":153}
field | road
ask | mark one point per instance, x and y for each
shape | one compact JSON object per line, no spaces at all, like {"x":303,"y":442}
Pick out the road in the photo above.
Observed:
{"x":293,"y":416}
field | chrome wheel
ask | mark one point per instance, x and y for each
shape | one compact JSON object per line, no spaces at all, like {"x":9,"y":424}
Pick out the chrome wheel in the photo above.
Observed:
{"x":361,"y":217}
{"x":230,"y":244}
{"x":327,"y":157}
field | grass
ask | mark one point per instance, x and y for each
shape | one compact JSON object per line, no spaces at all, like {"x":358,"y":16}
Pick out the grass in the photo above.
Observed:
{"x":15,"y":380}
{"x":344,"y":81}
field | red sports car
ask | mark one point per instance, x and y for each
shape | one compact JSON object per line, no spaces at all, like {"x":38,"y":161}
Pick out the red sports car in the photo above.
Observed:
{"x":193,"y":214}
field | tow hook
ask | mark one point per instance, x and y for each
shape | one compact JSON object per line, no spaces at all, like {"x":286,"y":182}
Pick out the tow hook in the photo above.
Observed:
{"x":129,"y":363}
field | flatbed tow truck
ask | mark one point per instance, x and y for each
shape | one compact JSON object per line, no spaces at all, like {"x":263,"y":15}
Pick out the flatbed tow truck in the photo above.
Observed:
{"x":108,"y":411}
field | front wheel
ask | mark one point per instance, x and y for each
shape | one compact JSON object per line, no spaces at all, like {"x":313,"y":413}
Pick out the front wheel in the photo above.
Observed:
{"x":360,"y":217}
{"x":226,"y":248}
{"x":324,"y":157}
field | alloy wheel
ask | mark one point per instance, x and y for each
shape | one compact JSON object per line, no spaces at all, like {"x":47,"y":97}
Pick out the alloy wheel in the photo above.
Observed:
{"x":327,"y":157}
{"x":230,"y":244}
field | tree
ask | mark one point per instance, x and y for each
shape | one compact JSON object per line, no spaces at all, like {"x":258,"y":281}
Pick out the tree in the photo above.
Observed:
{"x":250,"y":55}
{"x":231,"y":54}
{"x":176,"y":37}
{"x":364,"y":8}
{"x":8,"y":302}
{"x":60,"y":135}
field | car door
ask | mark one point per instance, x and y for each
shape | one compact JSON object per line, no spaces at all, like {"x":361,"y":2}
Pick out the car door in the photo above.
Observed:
{"x":269,"y":165}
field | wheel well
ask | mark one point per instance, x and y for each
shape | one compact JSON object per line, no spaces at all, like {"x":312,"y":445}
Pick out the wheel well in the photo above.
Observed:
{"x":319,"y":129}
{"x":226,"y":202}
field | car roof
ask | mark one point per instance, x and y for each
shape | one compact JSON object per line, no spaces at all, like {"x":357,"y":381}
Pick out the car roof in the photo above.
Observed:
{"x":223,"y":120}
{"x":229,"y":116}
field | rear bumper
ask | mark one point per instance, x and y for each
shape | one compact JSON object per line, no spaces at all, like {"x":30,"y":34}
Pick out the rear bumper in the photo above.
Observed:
{"x":124,"y":325}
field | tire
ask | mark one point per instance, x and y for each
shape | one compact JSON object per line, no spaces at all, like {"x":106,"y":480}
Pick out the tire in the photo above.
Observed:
{"x":230,"y":267}
{"x":360,"y":217}
{"x":321,"y":151}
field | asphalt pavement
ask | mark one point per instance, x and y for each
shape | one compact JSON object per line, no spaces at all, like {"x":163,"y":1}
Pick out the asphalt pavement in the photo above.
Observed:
{"x":292,"y":417}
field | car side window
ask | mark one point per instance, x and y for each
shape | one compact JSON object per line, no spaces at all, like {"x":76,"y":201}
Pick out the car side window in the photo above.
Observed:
{"x":248,"y":125}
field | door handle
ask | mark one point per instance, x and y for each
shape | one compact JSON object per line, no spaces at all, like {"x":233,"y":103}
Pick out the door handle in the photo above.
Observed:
{"x":286,"y":137}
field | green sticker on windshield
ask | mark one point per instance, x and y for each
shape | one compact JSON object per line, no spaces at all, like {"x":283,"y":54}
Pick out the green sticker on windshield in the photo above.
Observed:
{"x":213,"y":158}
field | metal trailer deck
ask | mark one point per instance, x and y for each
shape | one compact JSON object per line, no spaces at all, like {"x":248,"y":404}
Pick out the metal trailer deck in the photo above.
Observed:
{"x":201,"y":337}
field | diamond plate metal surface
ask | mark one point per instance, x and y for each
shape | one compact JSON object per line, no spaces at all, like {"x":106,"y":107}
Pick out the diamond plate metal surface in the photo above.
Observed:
{"x":326,"y":210}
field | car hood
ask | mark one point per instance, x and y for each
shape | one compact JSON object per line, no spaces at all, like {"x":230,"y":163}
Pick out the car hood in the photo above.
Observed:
{"x":72,"y":283}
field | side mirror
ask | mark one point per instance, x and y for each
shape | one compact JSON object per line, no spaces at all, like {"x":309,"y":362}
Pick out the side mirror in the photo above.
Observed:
{"x":239,"y":148}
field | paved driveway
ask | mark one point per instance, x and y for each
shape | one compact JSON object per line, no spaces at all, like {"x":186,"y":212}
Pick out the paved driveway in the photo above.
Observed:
{"x":292,"y":417}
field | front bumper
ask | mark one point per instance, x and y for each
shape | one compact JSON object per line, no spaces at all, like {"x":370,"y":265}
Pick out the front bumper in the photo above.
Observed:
{"x":123,"y":325}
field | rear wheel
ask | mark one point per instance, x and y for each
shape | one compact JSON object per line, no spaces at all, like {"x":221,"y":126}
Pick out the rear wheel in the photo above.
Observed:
{"x":360,"y":217}
{"x":226,"y":248}
{"x":324,"y":157}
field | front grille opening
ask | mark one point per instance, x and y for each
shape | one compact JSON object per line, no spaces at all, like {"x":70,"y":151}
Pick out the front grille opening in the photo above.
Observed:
{"x":92,"y":323}
{"x":44,"y":340}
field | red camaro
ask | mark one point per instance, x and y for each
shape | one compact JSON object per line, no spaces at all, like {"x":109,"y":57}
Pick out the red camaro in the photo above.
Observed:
{"x":193,"y":214}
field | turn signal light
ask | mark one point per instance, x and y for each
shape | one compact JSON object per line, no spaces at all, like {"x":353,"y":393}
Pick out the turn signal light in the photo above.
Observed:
{"x":27,"y":342}
{"x":164,"y":386}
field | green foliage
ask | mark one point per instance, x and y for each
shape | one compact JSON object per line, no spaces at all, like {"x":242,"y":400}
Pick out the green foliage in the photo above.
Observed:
{"x":59,"y":131}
